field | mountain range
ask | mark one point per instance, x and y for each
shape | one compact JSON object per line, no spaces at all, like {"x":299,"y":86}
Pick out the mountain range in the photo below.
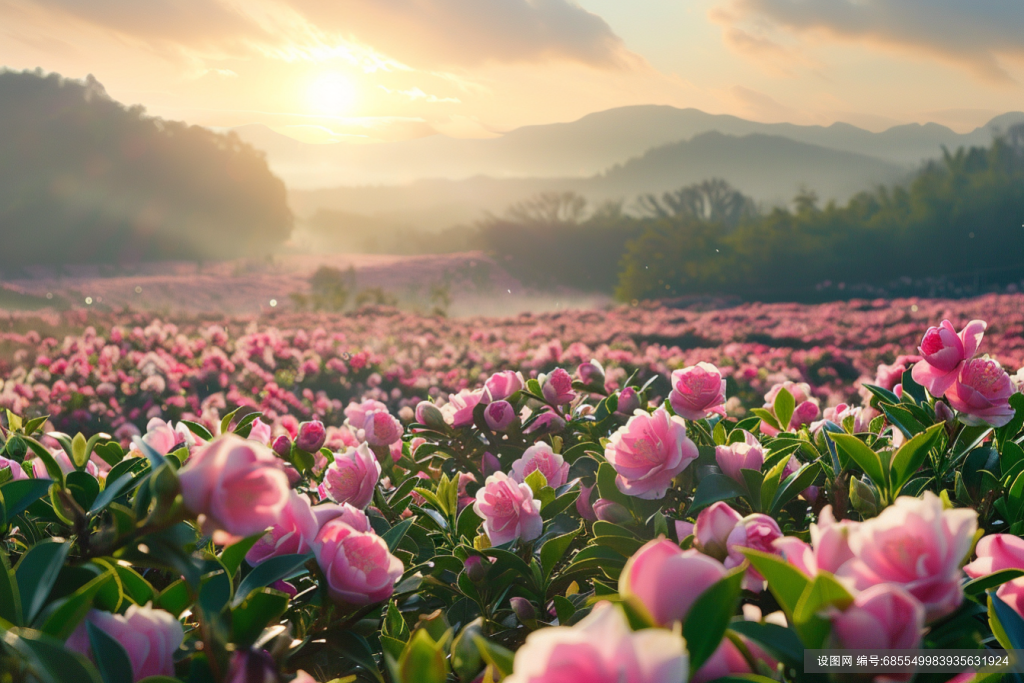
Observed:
{"x":436,"y":181}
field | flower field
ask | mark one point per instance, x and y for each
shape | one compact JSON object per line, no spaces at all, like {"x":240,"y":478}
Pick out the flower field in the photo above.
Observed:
{"x":640,"y":494}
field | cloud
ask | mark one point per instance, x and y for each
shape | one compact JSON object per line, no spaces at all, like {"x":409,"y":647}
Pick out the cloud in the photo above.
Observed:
{"x":421,"y":33}
{"x":975,"y":35}
{"x":761,"y":107}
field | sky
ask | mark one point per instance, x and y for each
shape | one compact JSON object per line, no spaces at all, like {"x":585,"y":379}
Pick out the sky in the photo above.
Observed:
{"x":362,"y":71}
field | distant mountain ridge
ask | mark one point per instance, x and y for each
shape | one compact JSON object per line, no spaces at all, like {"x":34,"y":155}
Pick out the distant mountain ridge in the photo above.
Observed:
{"x":581,"y":148}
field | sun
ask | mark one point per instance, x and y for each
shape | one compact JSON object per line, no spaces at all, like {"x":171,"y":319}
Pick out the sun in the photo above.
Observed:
{"x":331,"y":93}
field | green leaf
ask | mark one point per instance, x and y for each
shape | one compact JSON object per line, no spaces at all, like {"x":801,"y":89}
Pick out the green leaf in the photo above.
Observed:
{"x":786,"y":582}
{"x":784,"y":406}
{"x":753,"y":480}
{"x":1010,"y":456}
{"x":770,"y":486}
{"x":225,"y":421}
{"x":275,"y":569}
{"x":560,"y":504}
{"x":767,"y":417}
{"x":48,"y":657}
{"x":822,"y":592}
{"x":78,"y":454}
{"x":709,"y":617}
{"x":10,"y":598}
{"x":257,"y":611}
{"x":43,"y":453}
{"x":976,"y":587}
{"x":433,"y":499}
{"x":495,"y":655}
{"x":536,"y":481}
{"x":1013,"y":427}
{"x":713,"y":488}
{"x":795,"y":484}
{"x":911,"y":456}
{"x":902,"y":418}
{"x":66,"y":614}
{"x":134,"y":586}
{"x":395,"y":534}
{"x":111,"y":658}
{"x":176,"y":598}
{"x":606,"y":487}
{"x":780,"y":642}
{"x":18,"y":495}
{"x":423,"y":660}
{"x":198,"y":429}
{"x":969,"y":437}
{"x":233,"y":555}
{"x":866,"y":459}
{"x":1006,"y":624}
{"x":554,"y":549}
{"x":37,"y":572}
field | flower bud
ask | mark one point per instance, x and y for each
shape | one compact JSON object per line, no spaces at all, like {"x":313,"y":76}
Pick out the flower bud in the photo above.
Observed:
{"x":16,"y":448}
{"x":549,"y":422}
{"x":863,"y":499}
{"x":429,"y":415}
{"x":282,"y":446}
{"x":311,"y":436}
{"x":610,"y":511}
{"x":525,"y":611}
{"x":629,"y":401}
{"x":476,"y":568}
{"x":591,"y":373}
{"x":499,"y":415}
{"x":490,"y":464}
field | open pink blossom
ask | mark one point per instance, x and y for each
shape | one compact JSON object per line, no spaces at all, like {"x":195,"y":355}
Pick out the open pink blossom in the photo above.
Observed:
{"x":540,"y":457}
{"x":747,"y":454}
{"x":557,"y":387}
{"x":501,"y":385}
{"x":150,"y":637}
{"x":882,"y":617}
{"x":355,"y":413}
{"x":293,"y":533}
{"x":981,"y":393}
{"x":458,"y":412}
{"x":349,"y":514}
{"x":601,"y":648}
{"x":238,"y":487}
{"x":917,"y":544}
{"x":711,"y":532}
{"x":996,"y":553}
{"x":359,"y":568}
{"x":942,"y":353}
{"x":382,"y":428}
{"x":352,"y":476}
{"x":755,"y":531}
{"x":697,"y":391}
{"x":828,"y":550}
{"x":667,"y":580}
{"x":648,"y":452}
{"x":508,"y":509}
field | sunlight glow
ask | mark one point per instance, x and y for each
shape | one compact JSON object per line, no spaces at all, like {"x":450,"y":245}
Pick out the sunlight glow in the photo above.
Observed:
{"x":331,"y":93}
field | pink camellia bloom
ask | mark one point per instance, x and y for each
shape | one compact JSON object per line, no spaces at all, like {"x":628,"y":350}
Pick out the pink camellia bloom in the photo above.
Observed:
{"x":829,"y":548}
{"x":260,"y":431}
{"x":149,"y":636}
{"x":942,"y":353}
{"x":755,"y":531}
{"x":981,"y":393}
{"x":312,"y":436}
{"x":540,"y":457}
{"x":746,"y":454}
{"x":600,"y":648}
{"x":293,"y":533}
{"x":667,"y":580}
{"x":805,"y":412}
{"x":163,"y":438}
{"x":459,"y":410}
{"x":917,"y":544}
{"x":17,"y":471}
{"x":352,"y":476}
{"x":508,"y":509}
{"x":684,"y":529}
{"x":352,"y":516}
{"x":697,"y":391}
{"x":355,"y":413}
{"x":629,"y":401}
{"x":499,"y":415}
{"x":501,"y":385}
{"x":889,"y":376}
{"x":382,"y":428}
{"x":648,"y":452}
{"x":711,"y":532}
{"x":359,"y":568}
{"x":557,"y":387}
{"x":237,"y":487}
{"x":883,"y":617}
{"x":63,"y":461}
{"x":995,"y":553}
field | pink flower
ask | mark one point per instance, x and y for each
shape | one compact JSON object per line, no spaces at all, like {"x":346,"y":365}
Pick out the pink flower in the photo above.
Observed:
{"x":292,"y":534}
{"x":667,"y":580}
{"x":163,"y":438}
{"x":382,"y":428}
{"x":548,"y":422}
{"x":459,"y":410}
{"x":591,"y":373}
{"x":727,"y":660}
{"x":995,"y":553}
{"x":829,"y":548}
{"x":981,"y":393}
{"x":352,"y":476}
{"x":355,"y":413}
{"x":883,"y":617}
{"x":557,"y":387}
{"x":312,"y":436}
{"x":942,"y":353}
{"x":540,"y":457}
{"x":648,"y":452}
{"x":747,"y":454}
{"x":17,"y":471}
{"x":917,"y":544}
{"x":237,"y":487}
{"x":697,"y":391}
{"x":501,"y":385}
{"x":889,"y":376}
{"x":805,"y":411}
{"x":684,"y":529}
{"x":711,"y":532}
{"x":583,"y":504}
{"x":610,"y":511}
{"x":838,"y":414}
{"x":629,"y":402}
{"x":352,"y":516}
{"x":601,"y":648}
{"x":260,"y":431}
{"x":755,"y":531}
{"x":508,"y":509}
{"x":464,"y":498}
{"x":149,"y":636}
{"x":359,"y":568}
{"x":499,"y":415}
